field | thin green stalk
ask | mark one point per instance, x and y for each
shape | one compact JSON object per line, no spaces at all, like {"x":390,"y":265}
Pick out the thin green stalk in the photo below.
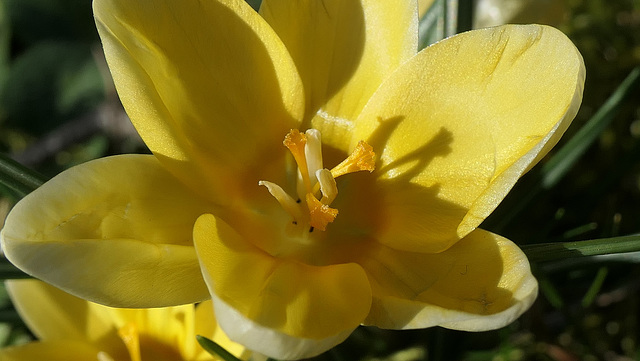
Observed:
{"x":432,"y":25}
{"x":593,"y":291}
{"x":550,"y":292}
{"x":443,"y":19}
{"x":451,"y":27}
{"x":214,"y":349}
{"x":19,"y":178}
{"x":544,"y":252}
{"x":566,"y":157}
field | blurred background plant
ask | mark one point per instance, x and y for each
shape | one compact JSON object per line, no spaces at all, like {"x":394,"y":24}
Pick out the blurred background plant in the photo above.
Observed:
{"x":58,"y":108}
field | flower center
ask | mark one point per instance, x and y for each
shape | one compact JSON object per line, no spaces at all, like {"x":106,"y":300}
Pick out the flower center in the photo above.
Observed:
{"x":316,"y":186}
{"x":142,"y":347}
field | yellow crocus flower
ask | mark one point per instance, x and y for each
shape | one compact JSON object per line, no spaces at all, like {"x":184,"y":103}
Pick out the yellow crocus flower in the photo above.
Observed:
{"x":367,"y":214}
{"x":70,"y":329}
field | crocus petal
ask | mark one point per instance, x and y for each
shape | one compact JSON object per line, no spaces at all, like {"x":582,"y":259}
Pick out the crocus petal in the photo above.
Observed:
{"x":208,"y":84}
{"x":343,"y":51}
{"x":271,"y":342}
{"x":459,"y":123}
{"x":165,"y":329}
{"x":483,"y":282}
{"x":115,"y":231}
{"x":51,"y":351}
{"x":287,"y":303}
{"x":52,"y":314}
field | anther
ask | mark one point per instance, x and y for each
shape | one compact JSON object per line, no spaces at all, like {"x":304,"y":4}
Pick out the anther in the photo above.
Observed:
{"x":362,"y":158}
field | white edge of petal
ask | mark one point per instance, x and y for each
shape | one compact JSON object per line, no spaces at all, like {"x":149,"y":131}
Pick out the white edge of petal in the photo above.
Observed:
{"x":431,"y":315}
{"x":425,"y":315}
{"x":528,"y":292}
{"x":269,"y":341}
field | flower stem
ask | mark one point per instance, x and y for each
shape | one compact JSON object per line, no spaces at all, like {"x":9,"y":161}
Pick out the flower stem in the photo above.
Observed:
{"x":214,"y":349}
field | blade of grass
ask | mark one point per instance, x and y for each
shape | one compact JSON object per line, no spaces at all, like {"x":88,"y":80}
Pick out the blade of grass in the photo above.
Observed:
{"x":214,"y":349}
{"x":575,"y":263}
{"x":432,"y":25}
{"x":17,"y":177}
{"x":550,"y":292}
{"x":580,"y":230}
{"x":443,"y":19}
{"x":543,"y":252}
{"x":565,"y":158}
{"x":452,"y":18}
{"x":595,"y":287}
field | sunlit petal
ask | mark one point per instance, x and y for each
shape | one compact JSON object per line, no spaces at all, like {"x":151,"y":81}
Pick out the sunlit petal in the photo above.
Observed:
{"x":116,"y":231}
{"x":343,"y":51}
{"x":458,"y":125}
{"x":270,"y":341}
{"x":483,"y":282}
{"x":297,"y":300}
{"x":208,"y":85}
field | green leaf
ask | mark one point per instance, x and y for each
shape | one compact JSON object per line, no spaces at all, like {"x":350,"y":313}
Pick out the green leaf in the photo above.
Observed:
{"x":544,"y":252}
{"x":50,"y":83}
{"x":19,"y":178}
{"x":214,"y":349}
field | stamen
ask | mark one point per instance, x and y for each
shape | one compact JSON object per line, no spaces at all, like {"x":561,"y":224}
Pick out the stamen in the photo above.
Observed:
{"x":315,"y":186}
{"x":362,"y":158}
{"x":131,"y":339}
{"x":313,"y":153}
{"x":320,"y":214}
{"x":328,"y":186}
{"x":286,"y":201}
{"x":295,"y":142}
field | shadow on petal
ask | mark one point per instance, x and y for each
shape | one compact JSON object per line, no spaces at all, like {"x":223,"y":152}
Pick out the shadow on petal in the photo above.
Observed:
{"x":391,"y":206}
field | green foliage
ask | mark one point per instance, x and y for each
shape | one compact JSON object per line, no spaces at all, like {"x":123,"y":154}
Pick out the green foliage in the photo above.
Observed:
{"x":214,"y":349}
{"x":66,"y":84}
